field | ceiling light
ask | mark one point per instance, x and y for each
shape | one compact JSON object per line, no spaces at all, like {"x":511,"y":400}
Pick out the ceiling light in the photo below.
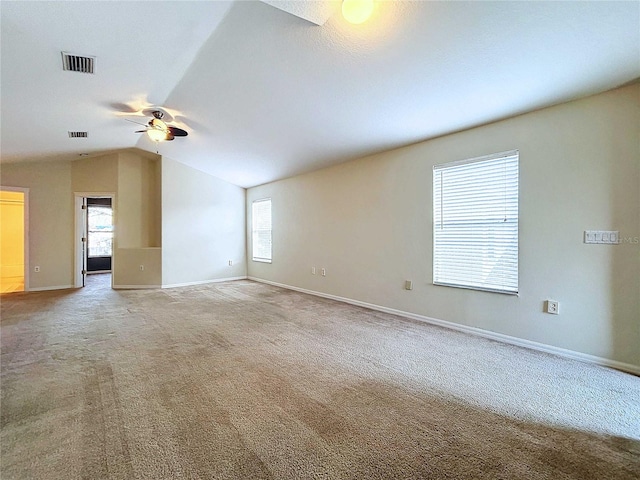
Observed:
{"x":156,"y":134}
{"x":357,"y":11}
{"x":157,"y":123}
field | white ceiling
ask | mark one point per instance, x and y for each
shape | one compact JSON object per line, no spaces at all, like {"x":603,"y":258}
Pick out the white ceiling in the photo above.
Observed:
{"x":265,"y":94}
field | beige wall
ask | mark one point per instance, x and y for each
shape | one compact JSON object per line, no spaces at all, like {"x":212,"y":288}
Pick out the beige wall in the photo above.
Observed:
{"x":95,"y":175}
{"x":133,"y":178}
{"x":50,"y":220}
{"x":138,"y":202}
{"x":128,"y":274}
{"x":368,"y":222}
{"x":203,"y":224}
{"x":138,"y":222}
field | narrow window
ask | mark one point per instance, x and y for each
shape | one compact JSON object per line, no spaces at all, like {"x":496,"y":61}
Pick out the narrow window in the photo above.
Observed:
{"x":261,"y":230}
{"x":475,"y":223}
{"x":100,"y":230}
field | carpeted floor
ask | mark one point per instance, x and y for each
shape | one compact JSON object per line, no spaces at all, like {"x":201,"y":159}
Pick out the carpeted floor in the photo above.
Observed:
{"x":242,"y":380}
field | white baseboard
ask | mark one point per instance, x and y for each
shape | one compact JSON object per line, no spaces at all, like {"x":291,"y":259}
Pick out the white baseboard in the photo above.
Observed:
{"x":145,"y":287}
{"x":521,"y":342}
{"x":44,"y":289}
{"x":202,"y":282}
{"x":135,"y":287}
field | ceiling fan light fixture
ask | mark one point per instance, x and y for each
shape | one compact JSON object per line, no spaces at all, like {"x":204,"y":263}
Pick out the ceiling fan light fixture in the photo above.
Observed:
{"x":156,"y":134}
{"x":157,"y":123}
{"x":357,"y":11}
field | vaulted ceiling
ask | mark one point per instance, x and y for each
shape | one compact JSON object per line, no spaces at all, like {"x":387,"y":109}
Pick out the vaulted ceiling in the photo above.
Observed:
{"x":266,"y":94}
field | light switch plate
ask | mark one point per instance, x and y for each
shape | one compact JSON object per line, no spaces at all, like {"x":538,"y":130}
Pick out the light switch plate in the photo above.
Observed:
{"x":607,"y":237}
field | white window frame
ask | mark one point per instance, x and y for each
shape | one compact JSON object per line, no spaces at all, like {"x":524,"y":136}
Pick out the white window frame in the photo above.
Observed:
{"x":474,"y":247}
{"x":261,"y":232}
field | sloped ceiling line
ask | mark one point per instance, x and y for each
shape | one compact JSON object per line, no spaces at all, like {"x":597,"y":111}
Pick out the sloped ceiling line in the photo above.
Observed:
{"x":266,"y":95}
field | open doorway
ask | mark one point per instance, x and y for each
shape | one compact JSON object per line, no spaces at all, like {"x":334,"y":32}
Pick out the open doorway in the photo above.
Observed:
{"x":13,"y":239}
{"x":94,"y":242}
{"x":99,"y":249}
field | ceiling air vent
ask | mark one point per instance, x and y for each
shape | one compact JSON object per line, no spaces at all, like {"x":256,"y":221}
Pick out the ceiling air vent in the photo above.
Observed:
{"x":77,"y":63}
{"x":78,"y":134}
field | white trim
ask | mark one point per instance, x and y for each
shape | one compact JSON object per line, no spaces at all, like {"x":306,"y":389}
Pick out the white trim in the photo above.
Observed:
{"x":56,"y":287}
{"x":25,"y":216}
{"x":520,"y":342}
{"x":202,"y":282}
{"x":135,"y":287}
{"x":261,"y":260}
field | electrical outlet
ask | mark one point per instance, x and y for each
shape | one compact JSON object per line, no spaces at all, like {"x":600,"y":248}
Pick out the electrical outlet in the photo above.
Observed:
{"x":142,"y":268}
{"x":313,"y":270}
{"x":36,"y":269}
{"x":323,"y":272}
{"x":552,"y":307}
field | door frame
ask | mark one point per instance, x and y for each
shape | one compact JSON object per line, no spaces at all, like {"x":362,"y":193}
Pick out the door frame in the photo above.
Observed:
{"x":80,"y":226}
{"x":26,"y":230}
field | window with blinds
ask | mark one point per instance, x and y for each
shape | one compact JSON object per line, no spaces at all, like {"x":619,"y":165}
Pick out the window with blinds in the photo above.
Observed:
{"x":475,"y":223}
{"x":261,"y":230}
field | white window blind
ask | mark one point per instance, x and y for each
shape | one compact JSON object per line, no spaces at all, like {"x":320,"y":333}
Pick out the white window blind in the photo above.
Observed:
{"x":261,"y":230}
{"x":475,"y":223}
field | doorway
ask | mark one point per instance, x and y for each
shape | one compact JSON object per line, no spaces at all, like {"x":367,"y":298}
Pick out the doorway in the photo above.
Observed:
{"x":94,"y":237}
{"x":99,"y":249}
{"x":13,"y":239}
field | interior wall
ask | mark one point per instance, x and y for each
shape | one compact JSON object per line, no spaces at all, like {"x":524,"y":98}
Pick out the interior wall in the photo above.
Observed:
{"x":128,"y":273}
{"x":51,"y":214}
{"x":51,"y":219}
{"x":368,"y":222}
{"x":138,"y":251}
{"x":203,"y":225}
{"x":95,"y":175}
{"x":138,"y":201}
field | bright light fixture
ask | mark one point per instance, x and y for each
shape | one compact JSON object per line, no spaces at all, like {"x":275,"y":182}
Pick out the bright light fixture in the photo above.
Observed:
{"x":357,"y":11}
{"x":156,"y":134}
{"x":157,"y":123}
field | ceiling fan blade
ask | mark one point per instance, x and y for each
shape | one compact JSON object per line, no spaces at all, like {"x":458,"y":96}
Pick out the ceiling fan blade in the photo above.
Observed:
{"x":169,"y":137}
{"x":177,"y":132}
{"x":122,"y":108}
{"x":137,"y":123}
{"x":140,"y":131}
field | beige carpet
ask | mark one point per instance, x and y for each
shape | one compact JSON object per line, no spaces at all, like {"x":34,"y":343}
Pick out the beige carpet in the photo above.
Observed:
{"x":243,"y":380}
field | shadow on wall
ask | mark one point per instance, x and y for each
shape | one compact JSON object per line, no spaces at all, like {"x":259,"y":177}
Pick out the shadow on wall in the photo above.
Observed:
{"x":625,"y":273}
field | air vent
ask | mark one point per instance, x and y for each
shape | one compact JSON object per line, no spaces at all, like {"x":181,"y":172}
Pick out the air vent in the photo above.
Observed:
{"x":78,"y":134}
{"x":77,"y":63}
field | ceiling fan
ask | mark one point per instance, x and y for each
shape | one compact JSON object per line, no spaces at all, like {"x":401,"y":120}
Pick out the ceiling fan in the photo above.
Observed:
{"x":158,"y":130}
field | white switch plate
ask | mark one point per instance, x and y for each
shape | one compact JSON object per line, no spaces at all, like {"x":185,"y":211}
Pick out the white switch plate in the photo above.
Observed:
{"x":408,"y":285}
{"x":608,"y":237}
{"x":313,"y":270}
{"x":324,"y":272}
